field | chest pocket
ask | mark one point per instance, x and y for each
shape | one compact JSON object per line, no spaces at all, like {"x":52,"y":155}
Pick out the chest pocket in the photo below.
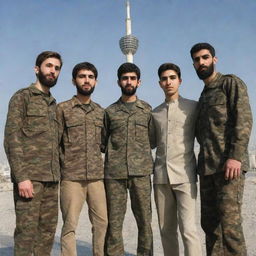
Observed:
{"x":98,"y":123}
{"x":217,"y":110}
{"x":75,"y":130}
{"x":118,"y":132}
{"x":141,"y":130}
{"x":37,"y":117}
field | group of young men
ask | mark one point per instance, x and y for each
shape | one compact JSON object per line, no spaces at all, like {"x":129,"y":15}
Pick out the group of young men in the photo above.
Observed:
{"x":47,"y":144}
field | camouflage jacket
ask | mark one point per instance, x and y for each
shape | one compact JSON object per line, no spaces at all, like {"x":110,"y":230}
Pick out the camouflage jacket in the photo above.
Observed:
{"x":224,"y":124}
{"x":80,"y":140}
{"x":31,"y":136}
{"x":126,"y":138}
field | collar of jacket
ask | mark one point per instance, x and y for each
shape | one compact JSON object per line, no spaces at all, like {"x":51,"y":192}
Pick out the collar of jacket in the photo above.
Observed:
{"x":33,"y":90}
{"x":167,"y":103}
{"x":77,"y":102}
{"x":121,"y":106}
{"x":215,"y":82}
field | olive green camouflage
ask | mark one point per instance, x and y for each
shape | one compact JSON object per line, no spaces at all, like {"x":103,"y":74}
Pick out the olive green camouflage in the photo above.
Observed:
{"x":140,"y":193}
{"x":126,"y":140}
{"x":31,"y":136}
{"x":80,"y":129}
{"x":221,"y":220}
{"x":224,"y":124}
{"x":36,"y":219}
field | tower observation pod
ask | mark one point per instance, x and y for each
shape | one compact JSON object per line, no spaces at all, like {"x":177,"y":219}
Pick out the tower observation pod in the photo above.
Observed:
{"x":128,"y":43}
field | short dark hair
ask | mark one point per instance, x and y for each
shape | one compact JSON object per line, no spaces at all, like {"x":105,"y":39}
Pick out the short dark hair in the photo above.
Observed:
{"x":200,"y":46}
{"x":126,"y":68}
{"x":84,"y":65}
{"x":45,"y":55}
{"x":169,"y":66}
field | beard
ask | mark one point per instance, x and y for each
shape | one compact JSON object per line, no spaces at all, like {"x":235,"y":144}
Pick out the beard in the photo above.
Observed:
{"x":128,"y":90}
{"x":44,"y":80}
{"x":85,"y":92}
{"x":205,"y":73}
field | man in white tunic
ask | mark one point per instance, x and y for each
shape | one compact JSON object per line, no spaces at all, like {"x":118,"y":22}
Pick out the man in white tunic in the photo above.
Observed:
{"x":175,"y":189}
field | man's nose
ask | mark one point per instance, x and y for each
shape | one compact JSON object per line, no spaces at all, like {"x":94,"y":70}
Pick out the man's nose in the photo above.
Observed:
{"x":53,"y":70}
{"x":129,"y":80}
{"x":201,"y":61}
{"x":168,"y":80}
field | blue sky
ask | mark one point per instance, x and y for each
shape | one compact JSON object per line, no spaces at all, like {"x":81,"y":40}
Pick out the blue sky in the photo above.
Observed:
{"x":89,"y":30}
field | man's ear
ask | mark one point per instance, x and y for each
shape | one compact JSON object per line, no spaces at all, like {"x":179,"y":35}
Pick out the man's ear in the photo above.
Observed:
{"x":36,"y":69}
{"x":215,"y":60}
{"x":139,"y":83}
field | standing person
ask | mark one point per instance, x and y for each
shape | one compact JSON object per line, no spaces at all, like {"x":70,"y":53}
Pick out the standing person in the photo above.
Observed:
{"x":31,"y":146}
{"x":223,"y":129}
{"x":175,"y":178}
{"x":82,"y":173}
{"x":128,"y":163}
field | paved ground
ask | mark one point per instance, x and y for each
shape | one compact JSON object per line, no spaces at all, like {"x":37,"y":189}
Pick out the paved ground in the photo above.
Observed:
{"x":7,"y":222}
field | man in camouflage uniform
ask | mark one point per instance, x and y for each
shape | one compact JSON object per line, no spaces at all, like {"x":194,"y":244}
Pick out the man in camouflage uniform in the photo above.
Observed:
{"x":128,"y":163}
{"x":31,"y":145}
{"x":82,"y":173}
{"x":223,"y":129}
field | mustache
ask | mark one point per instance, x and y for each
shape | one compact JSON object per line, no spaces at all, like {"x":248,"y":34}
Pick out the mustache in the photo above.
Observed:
{"x":51,"y":75}
{"x":202,"y":66}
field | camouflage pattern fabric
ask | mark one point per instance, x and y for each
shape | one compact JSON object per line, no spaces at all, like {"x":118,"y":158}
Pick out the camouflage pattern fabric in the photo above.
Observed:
{"x":80,"y":139}
{"x":126,"y":140}
{"x":116,"y":191}
{"x":36,"y":220}
{"x":31,"y":146}
{"x":31,"y":136}
{"x":224,"y":124}
{"x":223,"y":130}
{"x":221,"y":203}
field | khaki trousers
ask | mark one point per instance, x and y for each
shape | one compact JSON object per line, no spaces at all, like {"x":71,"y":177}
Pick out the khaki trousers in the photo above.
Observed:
{"x":36,"y":220}
{"x":176,"y":205}
{"x":72,"y":197}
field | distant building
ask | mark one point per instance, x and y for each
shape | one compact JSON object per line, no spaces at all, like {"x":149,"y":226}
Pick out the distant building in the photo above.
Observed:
{"x":252,"y":161}
{"x":5,"y":170}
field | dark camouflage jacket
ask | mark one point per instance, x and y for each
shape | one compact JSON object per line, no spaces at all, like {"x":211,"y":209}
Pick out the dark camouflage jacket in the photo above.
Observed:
{"x":224,"y":124}
{"x":31,"y":136}
{"x":126,"y":138}
{"x":80,"y":140}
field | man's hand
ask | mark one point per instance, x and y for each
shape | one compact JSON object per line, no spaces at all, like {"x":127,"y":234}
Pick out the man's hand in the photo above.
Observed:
{"x":26,"y":189}
{"x":232,"y":169}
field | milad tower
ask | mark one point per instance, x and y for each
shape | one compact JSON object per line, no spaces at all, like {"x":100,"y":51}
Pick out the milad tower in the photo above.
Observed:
{"x":128,"y":43}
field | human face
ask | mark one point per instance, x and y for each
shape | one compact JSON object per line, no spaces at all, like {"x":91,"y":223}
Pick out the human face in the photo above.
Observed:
{"x":129,"y":83}
{"x":85,"y":82}
{"x":204,"y":63}
{"x":170,"y":83}
{"x":48,"y":72}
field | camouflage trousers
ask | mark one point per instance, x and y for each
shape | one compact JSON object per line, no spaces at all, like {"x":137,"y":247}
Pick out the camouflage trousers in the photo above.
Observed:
{"x":36,"y":220}
{"x":221,"y":219}
{"x":140,"y":195}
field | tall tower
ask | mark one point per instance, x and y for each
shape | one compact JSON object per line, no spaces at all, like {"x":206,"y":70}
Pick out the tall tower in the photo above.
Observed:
{"x":129,"y":43}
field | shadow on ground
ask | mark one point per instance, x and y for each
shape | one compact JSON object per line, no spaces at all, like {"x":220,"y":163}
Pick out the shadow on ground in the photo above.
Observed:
{"x":83,"y":248}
